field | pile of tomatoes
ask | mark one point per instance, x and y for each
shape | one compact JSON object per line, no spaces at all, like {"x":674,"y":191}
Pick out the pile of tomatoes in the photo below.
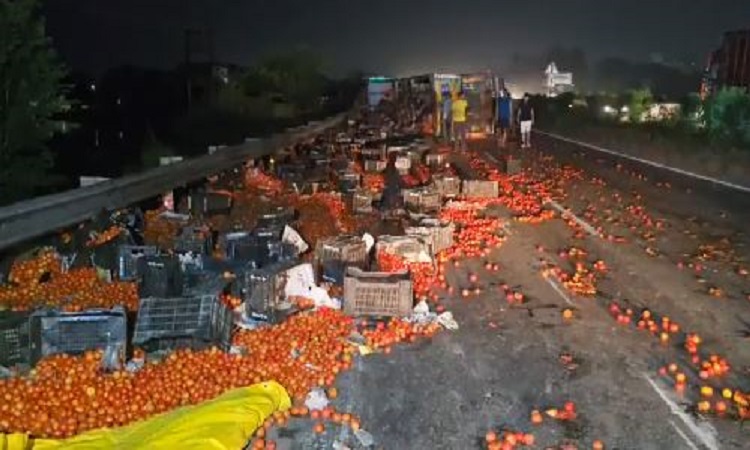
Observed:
{"x":257,"y":180}
{"x":321,"y":215}
{"x":40,"y":282}
{"x":159,"y":230}
{"x":105,"y":236}
{"x":423,"y":275}
{"x":474,"y":236}
{"x":385,"y":335}
{"x":66,"y":395}
{"x":373,"y":182}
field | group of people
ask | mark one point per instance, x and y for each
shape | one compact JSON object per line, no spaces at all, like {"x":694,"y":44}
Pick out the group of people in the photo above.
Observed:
{"x":455,"y":112}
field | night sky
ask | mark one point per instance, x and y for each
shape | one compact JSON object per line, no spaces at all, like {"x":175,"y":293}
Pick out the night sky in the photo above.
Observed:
{"x":394,"y":37}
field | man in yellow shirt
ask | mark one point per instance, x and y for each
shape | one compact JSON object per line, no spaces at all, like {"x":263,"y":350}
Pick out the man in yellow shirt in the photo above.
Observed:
{"x":459,"y":109}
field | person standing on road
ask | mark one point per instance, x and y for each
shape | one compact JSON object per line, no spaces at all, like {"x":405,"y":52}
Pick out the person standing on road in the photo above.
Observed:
{"x":504,"y":115}
{"x":393,"y":184}
{"x":526,"y":119}
{"x":459,"y":110}
{"x":446,"y":116}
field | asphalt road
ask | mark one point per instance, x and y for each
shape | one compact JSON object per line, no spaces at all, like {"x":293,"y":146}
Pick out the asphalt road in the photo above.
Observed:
{"x":680,"y":248}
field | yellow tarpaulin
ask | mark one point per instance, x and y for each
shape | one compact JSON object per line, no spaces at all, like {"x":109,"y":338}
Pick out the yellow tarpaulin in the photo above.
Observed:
{"x":224,"y":423}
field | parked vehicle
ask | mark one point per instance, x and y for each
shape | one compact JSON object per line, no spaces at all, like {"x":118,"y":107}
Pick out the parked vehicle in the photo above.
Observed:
{"x":480,"y":90}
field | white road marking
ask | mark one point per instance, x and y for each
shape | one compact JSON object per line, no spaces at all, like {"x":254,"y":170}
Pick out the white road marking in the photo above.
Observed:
{"x":686,"y":173}
{"x":704,"y":432}
{"x":683,"y":436}
{"x":566,"y":213}
{"x":559,"y":290}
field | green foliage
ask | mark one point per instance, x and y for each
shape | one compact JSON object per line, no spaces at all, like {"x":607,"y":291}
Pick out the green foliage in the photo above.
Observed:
{"x":727,"y":116}
{"x":31,"y":96}
{"x":295,"y":77}
{"x":153,"y":149}
{"x":639,"y":100}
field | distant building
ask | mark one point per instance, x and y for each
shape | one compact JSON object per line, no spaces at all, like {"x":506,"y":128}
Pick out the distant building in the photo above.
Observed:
{"x":729,"y":65}
{"x":556,"y":82}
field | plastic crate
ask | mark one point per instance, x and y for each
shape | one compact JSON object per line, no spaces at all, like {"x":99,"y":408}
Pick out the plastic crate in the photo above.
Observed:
{"x":408,"y":247}
{"x":196,"y":322}
{"x":14,"y":338}
{"x":290,"y":171}
{"x":361,"y":202}
{"x":264,"y":290}
{"x":437,"y":235}
{"x":160,"y":276}
{"x":374,"y":153}
{"x":480,"y":189}
{"x":377,"y":293}
{"x":246,"y":247}
{"x":422,"y":200}
{"x":436,"y":160}
{"x":348,"y":181}
{"x":374,"y":165}
{"x":53,"y":332}
{"x":333,"y":256}
{"x":128,"y":257}
{"x":348,"y":249}
{"x":197,"y":240}
{"x":208,"y":203}
{"x":447,"y":186}
{"x":279,"y":217}
{"x":403,"y":164}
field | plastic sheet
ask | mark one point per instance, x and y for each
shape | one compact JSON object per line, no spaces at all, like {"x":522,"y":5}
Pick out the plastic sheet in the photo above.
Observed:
{"x":224,"y":423}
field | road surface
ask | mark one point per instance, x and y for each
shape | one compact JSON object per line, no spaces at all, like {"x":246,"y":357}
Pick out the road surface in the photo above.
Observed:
{"x":673,"y":245}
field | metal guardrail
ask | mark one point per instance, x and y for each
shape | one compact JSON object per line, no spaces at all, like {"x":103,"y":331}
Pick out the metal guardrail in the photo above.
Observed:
{"x":25,"y":220}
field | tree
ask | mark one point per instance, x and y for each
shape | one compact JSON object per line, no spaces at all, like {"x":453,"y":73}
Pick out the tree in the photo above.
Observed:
{"x":640,"y":101}
{"x":295,"y":77}
{"x":31,"y":96}
{"x":727,"y":116}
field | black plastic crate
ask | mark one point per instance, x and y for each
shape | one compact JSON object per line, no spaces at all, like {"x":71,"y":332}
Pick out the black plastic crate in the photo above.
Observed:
{"x":195,"y":322}
{"x":52,"y":332}
{"x":259,"y":252}
{"x":128,"y":257}
{"x":240,"y":246}
{"x":197,"y":240}
{"x":348,"y":182}
{"x":264,"y":289}
{"x":279,"y":217}
{"x":14,"y":338}
{"x":209,"y":203}
{"x":290,"y":171}
{"x":160,"y":276}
